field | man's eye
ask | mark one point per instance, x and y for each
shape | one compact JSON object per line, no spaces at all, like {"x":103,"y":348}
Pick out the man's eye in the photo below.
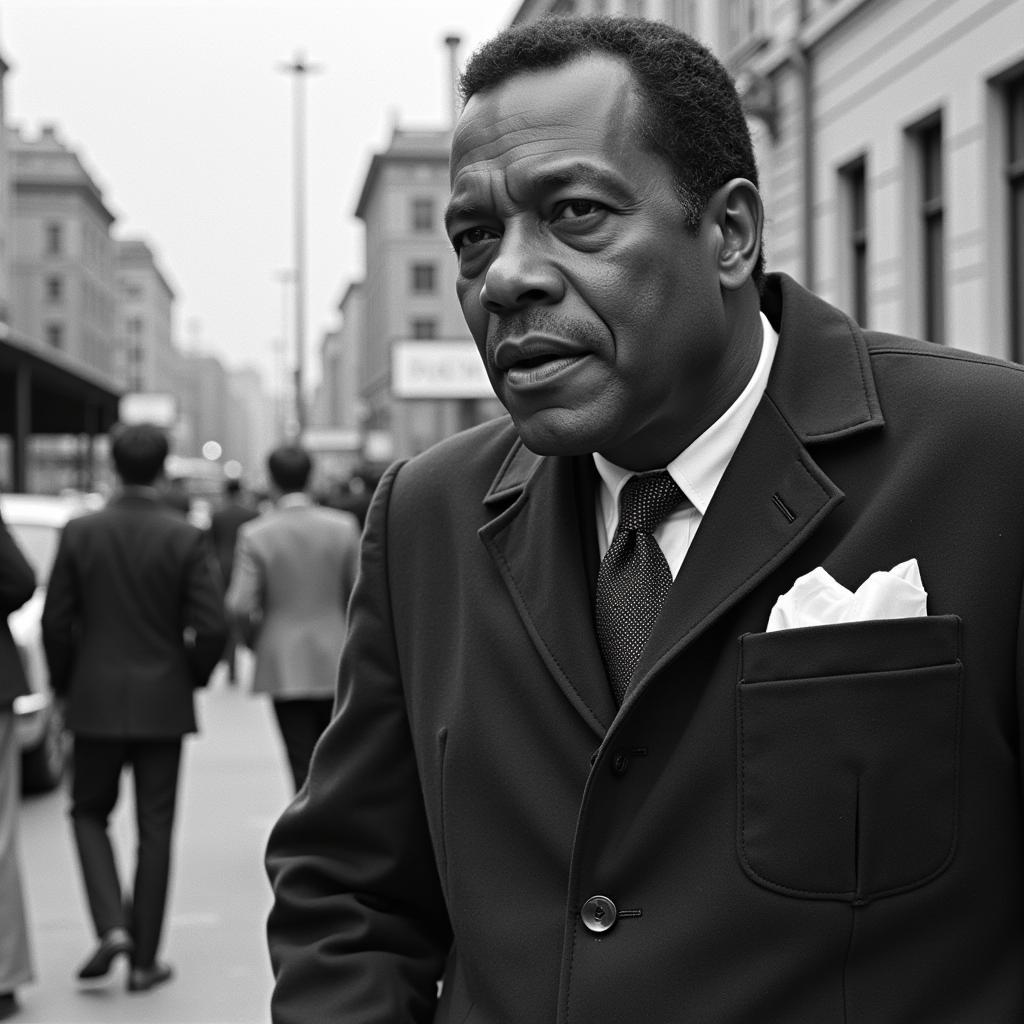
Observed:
{"x":470,"y":237}
{"x":574,"y":209}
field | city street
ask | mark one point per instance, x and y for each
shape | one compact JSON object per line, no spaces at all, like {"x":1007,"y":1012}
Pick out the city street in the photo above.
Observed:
{"x":234,"y":784}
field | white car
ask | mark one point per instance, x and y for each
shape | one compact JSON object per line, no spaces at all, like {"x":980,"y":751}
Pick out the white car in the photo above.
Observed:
{"x":35,"y":521}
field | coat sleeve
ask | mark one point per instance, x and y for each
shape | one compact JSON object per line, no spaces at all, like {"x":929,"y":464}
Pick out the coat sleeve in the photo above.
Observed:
{"x":358,"y":932}
{"x":61,"y":614}
{"x":244,"y":599}
{"x":17,"y":577}
{"x":203,"y":611}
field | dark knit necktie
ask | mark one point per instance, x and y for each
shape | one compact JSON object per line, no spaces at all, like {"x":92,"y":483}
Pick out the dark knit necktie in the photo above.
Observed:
{"x":634,"y":577}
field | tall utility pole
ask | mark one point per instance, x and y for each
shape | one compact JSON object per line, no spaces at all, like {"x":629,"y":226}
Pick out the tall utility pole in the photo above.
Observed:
{"x":283,"y":430}
{"x":452,"y":41}
{"x":299,"y":68}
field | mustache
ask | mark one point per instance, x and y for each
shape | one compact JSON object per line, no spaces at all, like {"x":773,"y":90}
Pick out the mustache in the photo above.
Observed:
{"x":538,"y":322}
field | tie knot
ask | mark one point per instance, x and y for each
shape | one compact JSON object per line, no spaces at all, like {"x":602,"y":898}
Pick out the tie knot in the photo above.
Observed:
{"x":646,"y":499}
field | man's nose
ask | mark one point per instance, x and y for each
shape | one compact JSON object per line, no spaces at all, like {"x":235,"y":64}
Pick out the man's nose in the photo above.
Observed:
{"x":520,"y":275}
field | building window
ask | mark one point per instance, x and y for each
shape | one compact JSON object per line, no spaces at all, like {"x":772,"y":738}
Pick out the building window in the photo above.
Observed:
{"x":929,"y":144}
{"x":424,"y":328}
{"x":1015,"y":181}
{"x":854,"y":181}
{"x":54,"y":289}
{"x":423,"y":214}
{"x":54,"y":238}
{"x":55,"y":335}
{"x":424,"y":278}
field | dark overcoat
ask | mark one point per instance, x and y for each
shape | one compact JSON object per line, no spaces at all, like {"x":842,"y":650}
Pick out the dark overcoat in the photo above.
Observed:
{"x":133,"y":620}
{"x":17,"y":585}
{"x":814,"y":826}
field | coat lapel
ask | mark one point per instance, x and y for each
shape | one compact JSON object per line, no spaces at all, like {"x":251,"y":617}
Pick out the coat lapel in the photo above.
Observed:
{"x":772,"y":498}
{"x":773,"y":495}
{"x":542,"y":540}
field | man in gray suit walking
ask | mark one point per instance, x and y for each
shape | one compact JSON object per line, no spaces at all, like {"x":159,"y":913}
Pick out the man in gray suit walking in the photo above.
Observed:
{"x":294,"y":570}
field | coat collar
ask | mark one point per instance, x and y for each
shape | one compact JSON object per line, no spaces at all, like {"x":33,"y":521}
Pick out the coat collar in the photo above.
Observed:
{"x":771,"y":499}
{"x":821,"y":380}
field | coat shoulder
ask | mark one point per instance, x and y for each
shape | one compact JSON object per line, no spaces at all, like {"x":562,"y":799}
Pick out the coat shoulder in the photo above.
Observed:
{"x":465,"y":461}
{"x":963,"y":384}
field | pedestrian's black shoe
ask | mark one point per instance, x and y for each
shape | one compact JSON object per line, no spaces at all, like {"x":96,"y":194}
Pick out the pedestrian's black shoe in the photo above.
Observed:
{"x":142,"y":979}
{"x":8,"y":1005}
{"x":115,"y":943}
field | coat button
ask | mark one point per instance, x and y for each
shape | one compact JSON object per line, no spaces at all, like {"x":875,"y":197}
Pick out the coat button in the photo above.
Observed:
{"x":620,"y":763}
{"x":599,"y":913}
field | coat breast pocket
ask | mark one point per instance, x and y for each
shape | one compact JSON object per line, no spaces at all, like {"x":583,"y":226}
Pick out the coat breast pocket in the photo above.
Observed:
{"x":848,"y":756}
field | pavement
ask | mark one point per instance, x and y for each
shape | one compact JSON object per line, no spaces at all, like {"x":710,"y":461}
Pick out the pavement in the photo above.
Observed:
{"x":234,"y":785}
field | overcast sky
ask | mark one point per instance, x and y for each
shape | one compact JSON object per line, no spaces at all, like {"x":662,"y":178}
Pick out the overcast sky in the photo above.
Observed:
{"x":178,"y":110}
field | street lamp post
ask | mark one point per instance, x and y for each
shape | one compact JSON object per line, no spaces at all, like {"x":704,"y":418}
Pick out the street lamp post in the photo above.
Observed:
{"x":299,"y":68}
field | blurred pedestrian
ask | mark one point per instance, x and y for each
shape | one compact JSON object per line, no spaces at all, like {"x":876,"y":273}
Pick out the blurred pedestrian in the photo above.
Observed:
{"x":133,"y":622}
{"x":294,"y":570}
{"x":174,"y":492}
{"x":17,"y":584}
{"x":223,"y":533}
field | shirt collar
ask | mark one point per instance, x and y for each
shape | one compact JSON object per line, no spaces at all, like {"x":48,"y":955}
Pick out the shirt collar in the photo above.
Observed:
{"x":294,"y":499}
{"x":699,"y":468}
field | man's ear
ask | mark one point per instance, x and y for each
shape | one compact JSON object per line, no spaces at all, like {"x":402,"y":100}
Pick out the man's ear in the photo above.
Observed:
{"x":739,"y":216}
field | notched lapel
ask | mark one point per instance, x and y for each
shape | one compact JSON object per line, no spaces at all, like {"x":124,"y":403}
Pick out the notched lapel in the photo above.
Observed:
{"x":773,"y":495}
{"x":771,"y":499}
{"x":538,"y":542}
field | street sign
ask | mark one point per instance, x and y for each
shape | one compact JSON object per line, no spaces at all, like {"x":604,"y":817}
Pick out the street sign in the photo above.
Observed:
{"x":438,"y":369}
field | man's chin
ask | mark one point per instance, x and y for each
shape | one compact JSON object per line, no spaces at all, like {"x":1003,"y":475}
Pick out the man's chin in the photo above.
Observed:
{"x":555,"y":436}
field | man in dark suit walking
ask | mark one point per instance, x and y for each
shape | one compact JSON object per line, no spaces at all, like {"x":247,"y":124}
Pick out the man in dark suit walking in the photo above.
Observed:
{"x":133,"y":623}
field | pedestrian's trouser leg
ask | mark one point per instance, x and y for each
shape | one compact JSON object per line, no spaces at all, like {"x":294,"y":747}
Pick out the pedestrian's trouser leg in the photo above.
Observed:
{"x":301,"y":723}
{"x":155,"y":766}
{"x":96,"y":778}
{"x":15,"y":953}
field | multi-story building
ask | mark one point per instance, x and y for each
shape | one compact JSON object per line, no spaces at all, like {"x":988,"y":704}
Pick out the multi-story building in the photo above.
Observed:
{"x":890,"y":137}
{"x":62,"y":292}
{"x":420,"y":378}
{"x":205,"y":415}
{"x":338,"y":403}
{"x":145,"y":358}
{"x":251,"y":432}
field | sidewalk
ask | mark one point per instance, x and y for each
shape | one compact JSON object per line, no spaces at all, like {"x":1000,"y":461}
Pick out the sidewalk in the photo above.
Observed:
{"x":234,"y":785}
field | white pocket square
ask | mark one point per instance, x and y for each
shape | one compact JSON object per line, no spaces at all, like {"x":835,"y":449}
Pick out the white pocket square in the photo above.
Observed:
{"x":817,"y":599}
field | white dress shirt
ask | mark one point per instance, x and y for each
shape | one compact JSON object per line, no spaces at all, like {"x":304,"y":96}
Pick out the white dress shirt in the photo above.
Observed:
{"x":697,"y":470}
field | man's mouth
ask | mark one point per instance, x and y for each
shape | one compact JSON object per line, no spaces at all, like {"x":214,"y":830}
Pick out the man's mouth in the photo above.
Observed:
{"x":535,"y":357}
{"x":538,"y":369}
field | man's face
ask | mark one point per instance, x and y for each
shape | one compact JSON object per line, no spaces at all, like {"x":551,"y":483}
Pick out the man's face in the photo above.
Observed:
{"x":598,"y":314}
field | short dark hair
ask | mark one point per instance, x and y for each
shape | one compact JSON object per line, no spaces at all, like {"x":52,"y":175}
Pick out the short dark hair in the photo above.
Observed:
{"x":693,"y":116}
{"x":289,"y":467}
{"x":139,"y":451}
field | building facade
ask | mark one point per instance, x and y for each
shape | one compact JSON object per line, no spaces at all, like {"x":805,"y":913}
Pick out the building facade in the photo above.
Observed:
{"x":145,"y":358}
{"x":411,"y":322}
{"x":890,"y":138}
{"x":62,"y":257}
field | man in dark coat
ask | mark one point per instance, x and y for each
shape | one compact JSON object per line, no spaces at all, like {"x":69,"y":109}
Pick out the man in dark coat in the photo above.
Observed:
{"x":17,"y":584}
{"x":133,"y":623}
{"x":571,"y":806}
